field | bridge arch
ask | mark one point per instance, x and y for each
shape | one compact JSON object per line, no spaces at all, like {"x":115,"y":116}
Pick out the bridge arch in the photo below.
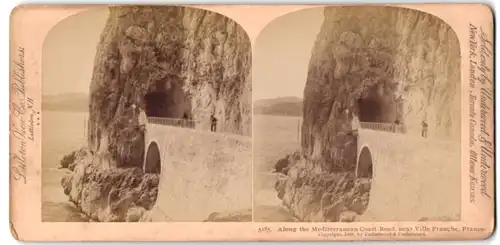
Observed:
{"x":364,"y":166}
{"x":152,"y":163}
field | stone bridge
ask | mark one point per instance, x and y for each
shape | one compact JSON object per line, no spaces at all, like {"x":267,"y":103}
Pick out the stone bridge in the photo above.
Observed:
{"x":411,"y":177}
{"x":201,"y":172}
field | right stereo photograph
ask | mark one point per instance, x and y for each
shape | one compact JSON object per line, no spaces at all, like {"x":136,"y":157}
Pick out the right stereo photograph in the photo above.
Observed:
{"x":357,"y":117}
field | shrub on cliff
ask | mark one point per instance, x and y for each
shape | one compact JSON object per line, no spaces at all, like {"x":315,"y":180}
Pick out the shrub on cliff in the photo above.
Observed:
{"x":68,"y":161}
{"x":281,"y":165}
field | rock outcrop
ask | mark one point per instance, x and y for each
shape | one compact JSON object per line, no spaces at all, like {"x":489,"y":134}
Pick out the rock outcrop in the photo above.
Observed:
{"x":383,"y":64}
{"x":110,"y":194}
{"x":315,"y":195}
{"x":172,"y":62}
{"x":70,"y":160}
{"x":233,"y":216}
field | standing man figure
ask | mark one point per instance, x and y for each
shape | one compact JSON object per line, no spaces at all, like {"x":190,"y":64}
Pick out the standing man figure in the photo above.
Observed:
{"x":185,"y":119}
{"x":355,"y":124}
{"x":424,"y":129}
{"x":143,"y":119}
{"x":213,"y":125}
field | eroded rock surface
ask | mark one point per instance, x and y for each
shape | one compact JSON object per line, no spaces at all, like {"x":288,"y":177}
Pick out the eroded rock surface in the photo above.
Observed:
{"x":233,"y":216}
{"x":110,"y":194}
{"x":392,"y":63}
{"x":314,"y":195}
{"x":385,"y":65}
{"x":172,"y":62}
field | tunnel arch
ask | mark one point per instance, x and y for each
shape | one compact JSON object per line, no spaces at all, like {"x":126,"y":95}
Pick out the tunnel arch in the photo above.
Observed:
{"x":369,"y":110}
{"x":152,"y":163}
{"x":364,"y":168}
{"x":167,"y":99}
{"x":377,"y":105}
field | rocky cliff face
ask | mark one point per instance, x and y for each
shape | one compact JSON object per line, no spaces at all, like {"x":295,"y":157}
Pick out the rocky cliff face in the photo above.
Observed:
{"x":172,"y":62}
{"x":318,"y":196}
{"x":109,"y":194}
{"x":383,"y":64}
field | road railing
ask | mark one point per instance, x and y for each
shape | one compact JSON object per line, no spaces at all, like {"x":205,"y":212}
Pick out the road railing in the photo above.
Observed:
{"x":387,"y":127}
{"x":176,"y":122}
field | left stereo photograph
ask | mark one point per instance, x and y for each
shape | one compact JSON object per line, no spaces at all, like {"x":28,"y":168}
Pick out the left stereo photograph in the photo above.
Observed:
{"x":146,"y":117}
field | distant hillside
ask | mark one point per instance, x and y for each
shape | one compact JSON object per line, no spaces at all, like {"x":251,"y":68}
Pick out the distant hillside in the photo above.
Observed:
{"x":283,"y":106}
{"x":77,"y":102}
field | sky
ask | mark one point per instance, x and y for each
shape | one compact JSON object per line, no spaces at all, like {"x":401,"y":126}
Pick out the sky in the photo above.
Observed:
{"x":282,"y":52}
{"x":69,"y":50}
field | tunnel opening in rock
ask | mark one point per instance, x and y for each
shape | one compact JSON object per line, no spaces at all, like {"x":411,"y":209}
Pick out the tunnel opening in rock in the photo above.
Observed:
{"x":156,"y":104}
{"x":369,"y":110}
{"x":377,"y":105}
{"x":365,"y":164}
{"x":167,"y":99}
{"x":152,"y":164}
